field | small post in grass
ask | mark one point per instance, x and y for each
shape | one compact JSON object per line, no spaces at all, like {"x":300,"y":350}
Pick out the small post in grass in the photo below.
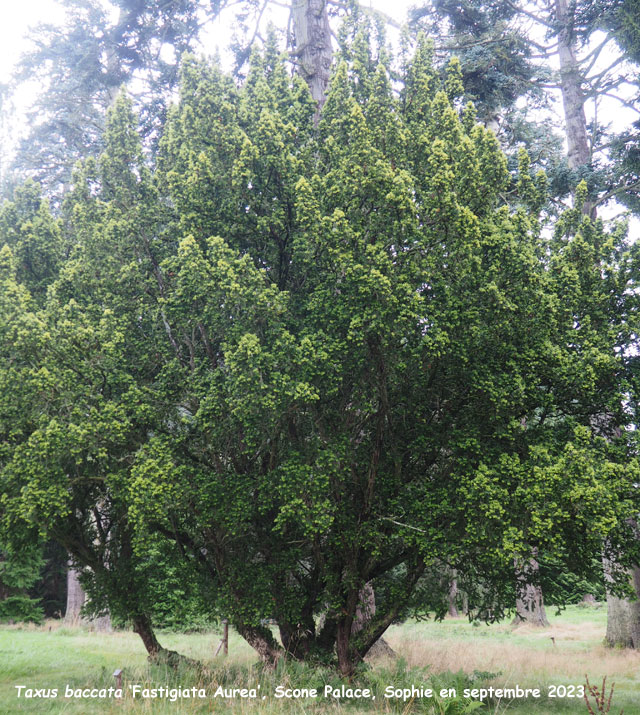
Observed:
{"x":117,"y":674}
{"x":224,"y":643}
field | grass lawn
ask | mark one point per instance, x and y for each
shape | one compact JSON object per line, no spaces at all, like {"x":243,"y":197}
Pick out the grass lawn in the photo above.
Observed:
{"x":451,"y":654}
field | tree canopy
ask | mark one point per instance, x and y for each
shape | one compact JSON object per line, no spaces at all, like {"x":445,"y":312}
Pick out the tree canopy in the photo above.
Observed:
{"x":292,"y":361}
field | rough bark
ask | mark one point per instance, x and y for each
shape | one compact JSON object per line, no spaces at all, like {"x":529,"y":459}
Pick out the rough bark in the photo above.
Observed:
{"x":157,"y":654}
{"x":618,"y":622}
{"x":75,"y":596}
{"x":313,"y":51}
{"x":571,"y":88}
{"x":346,"y":662}
{"x":262,"y":641}
{"x":623,"y":614}
{"x":579,"y":152}
{"x":365,"y":611}
{"x":529,"y":601}
{"x":142,"y":626}
{"x":297,"y":640}
{"x":102,"y":624}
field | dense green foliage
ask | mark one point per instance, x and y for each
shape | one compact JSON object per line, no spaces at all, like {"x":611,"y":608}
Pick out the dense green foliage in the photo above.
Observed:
{"x":18,"y":572}
{"x":290,"y":362}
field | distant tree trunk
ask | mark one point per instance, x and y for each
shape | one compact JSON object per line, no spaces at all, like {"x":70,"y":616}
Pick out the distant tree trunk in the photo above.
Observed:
{"x":102,"y":623}
{"x":589,"y":599}
{"x":619,"y":622}
{"x":365,"y":610}
{"x":579,"y":152}
{"x":313,"y":52}
{"x":115,"y":77}
{"x":529,"y":601}
{"x":453,"y":596}
{"x":623,"y":614}
{"x":75,"y":596}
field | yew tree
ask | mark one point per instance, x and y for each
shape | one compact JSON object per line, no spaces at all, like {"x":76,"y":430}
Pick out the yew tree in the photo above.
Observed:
{"x":299,"y":359}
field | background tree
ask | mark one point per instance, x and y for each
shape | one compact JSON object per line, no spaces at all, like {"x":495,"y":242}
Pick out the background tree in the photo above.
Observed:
{"x":82,"y":65}
{"x":592,"y":68}
{"x":18,"y":573}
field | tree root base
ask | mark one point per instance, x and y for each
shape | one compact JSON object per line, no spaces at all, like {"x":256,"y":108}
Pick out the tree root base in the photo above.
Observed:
{"x":174,"y":659}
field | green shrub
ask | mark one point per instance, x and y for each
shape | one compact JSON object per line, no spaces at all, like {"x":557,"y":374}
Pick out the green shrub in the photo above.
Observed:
{"x":20,"y":608}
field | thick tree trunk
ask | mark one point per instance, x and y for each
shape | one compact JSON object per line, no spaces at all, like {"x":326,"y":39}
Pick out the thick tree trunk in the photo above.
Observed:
{"x":618,"y":622}
{"x":579,"y":152}
{"x":346,"y":662}
{"x":529,"y":601}
{"x":623,"y":614}
{"x":262,"y":641}
{"x":102,"y":624}
{"x":571,"y":88}
{"x":313,"y":51}
{"x":157,"y":654}
{"x":75,"y":596}
{"x":530,"y":607}
{"x":297,"y":640}
{"x":142,"y":626}
{"x":365,"y":611}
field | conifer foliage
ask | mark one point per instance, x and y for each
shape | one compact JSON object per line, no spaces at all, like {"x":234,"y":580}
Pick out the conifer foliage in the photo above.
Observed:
{"x":294,"y":361}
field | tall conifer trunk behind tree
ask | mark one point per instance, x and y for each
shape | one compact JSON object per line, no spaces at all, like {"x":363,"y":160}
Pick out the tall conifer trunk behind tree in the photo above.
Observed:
{"x":570,"y":86}
{"x":578,"y":150}
{"x":313,"y":52}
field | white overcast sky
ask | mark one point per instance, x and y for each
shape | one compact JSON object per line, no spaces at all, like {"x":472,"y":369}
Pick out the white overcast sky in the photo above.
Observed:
{"x":17,"y":16}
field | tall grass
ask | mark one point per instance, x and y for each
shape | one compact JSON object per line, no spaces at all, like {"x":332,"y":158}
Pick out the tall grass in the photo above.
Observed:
{"x":452,"y":654}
